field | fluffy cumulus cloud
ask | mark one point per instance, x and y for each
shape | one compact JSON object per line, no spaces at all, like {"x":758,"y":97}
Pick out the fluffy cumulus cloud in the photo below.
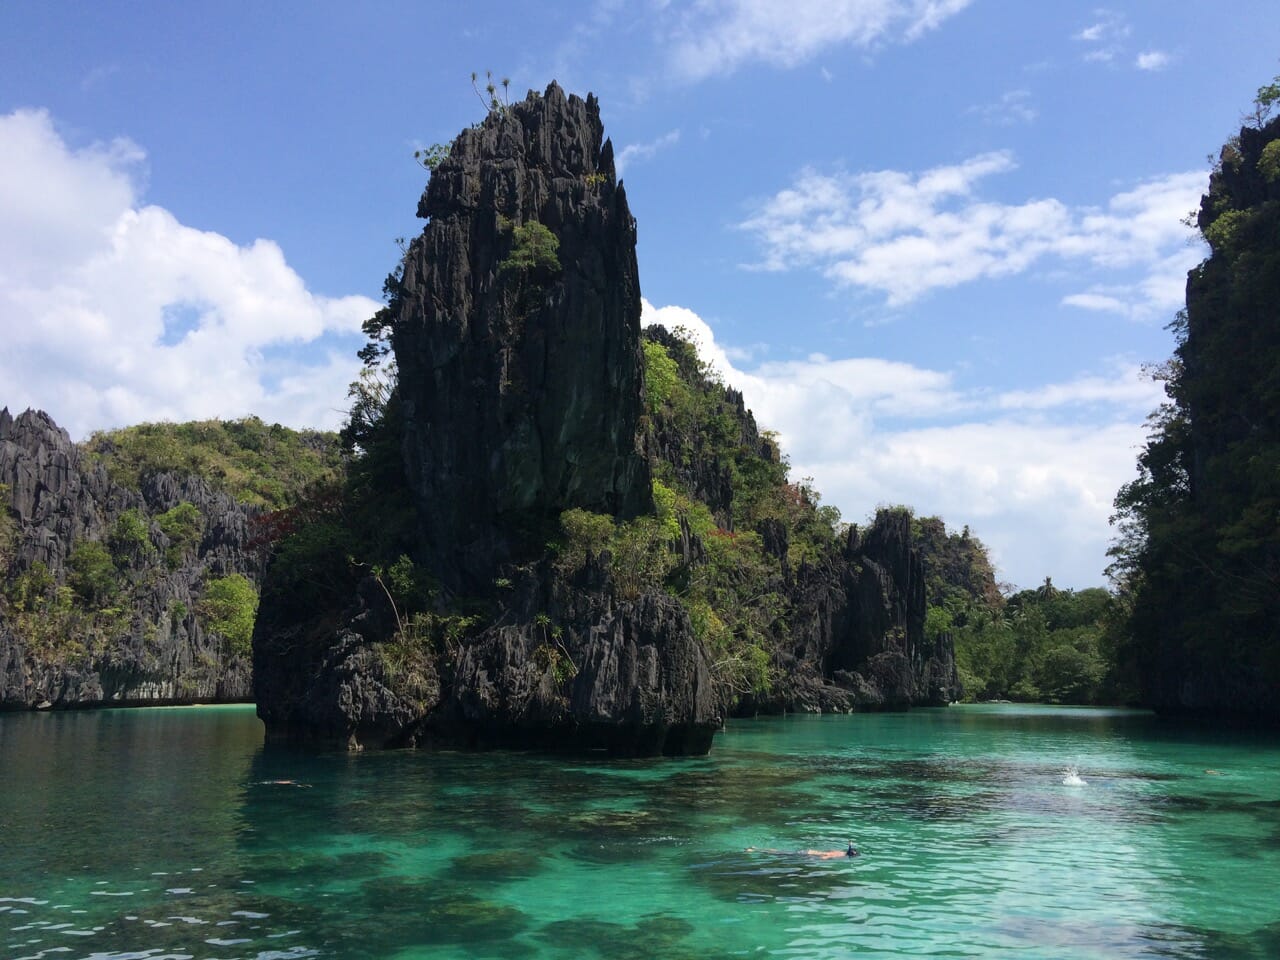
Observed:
{"x":115,"y":312}
{"x":905,"y":234}
{"x":1013,"y":466}
{"x":719,"y":36}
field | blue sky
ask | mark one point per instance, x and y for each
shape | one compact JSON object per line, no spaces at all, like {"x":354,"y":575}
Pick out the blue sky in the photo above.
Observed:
{"x":932,"y":240}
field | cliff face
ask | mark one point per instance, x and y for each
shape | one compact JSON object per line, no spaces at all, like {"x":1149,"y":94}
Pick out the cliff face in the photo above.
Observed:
{"x":92,"y":616}
{"x":854,"y":638}
{"x":1206,"y":566}
{"x":520,"y":384}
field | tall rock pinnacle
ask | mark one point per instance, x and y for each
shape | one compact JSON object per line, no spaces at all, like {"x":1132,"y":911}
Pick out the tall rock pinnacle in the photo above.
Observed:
{"x":520,"y":366}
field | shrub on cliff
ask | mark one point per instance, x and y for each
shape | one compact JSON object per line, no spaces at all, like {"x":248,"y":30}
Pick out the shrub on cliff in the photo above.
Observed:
{"x":93,"y":574}
{"x":229,"y":606}
{"x":130,"y":538}
{"x":183,"y":526}
{"x":8,"y":530}
{"x":533,"y":252}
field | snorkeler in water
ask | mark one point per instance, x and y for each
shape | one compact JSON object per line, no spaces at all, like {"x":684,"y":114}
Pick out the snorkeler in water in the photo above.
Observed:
{"x":850,"y":851}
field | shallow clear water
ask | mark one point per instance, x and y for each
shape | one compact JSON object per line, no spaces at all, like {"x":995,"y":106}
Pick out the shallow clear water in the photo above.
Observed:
{"x":159,"y":834}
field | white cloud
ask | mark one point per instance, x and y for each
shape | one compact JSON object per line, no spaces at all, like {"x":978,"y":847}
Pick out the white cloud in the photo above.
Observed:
{"x":716,"y":37}
{"x":115,"y":312}
{"x":1101,"y":302}
{"x":1106,"y":41}
{"x":1033,"y":472}
{"x":1012,"y":107}
{"x":907,"y":234}
{"x":643,"y":151}
{"x":1105,"y":36}
{"x":1152,"y":60}
{"x":1124,"y":388}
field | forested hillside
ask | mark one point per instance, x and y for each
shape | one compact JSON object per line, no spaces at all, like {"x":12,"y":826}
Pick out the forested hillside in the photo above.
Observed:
{"x":1035,"y":645}
{"x":1199,"y":546}
{"x":260,"y":464}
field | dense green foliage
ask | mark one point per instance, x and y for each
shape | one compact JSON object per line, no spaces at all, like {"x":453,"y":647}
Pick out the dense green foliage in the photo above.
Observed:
{"x":1198,"y":552}
{"x":734,"y":587}
{"x":130,"y":537}
{"x":68,"y":623}
{"x":661,"y":376}
{"x":183,"y":525}
{"x":257,"y":463}
{"x":1046,"y":644}
{"x":93,"y":574}
{"x":229,"y":606}
{"x":432,"y":156}
{"x":343,"y":528}
{"x":533,"y":252}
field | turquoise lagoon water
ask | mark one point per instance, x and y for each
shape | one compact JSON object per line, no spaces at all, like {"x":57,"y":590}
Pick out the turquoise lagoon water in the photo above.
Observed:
{"x":160,"y":834}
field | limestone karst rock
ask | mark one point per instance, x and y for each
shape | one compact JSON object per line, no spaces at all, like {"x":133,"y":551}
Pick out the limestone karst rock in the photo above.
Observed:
{"x":516,"y":328}
{"x":521,"y":387}
{"x":155,"y":649}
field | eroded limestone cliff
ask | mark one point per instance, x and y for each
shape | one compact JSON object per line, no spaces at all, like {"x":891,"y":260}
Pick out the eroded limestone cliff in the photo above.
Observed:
{"x":100,"y":610}
{"x":520,"y":383}
{"x":1200,"y":543}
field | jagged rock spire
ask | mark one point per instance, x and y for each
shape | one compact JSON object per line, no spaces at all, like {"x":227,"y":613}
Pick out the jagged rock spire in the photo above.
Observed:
{"x":521,"y":389}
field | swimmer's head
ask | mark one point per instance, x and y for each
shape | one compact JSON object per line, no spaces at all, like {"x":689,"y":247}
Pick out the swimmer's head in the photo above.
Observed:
{"x":851,"y":852}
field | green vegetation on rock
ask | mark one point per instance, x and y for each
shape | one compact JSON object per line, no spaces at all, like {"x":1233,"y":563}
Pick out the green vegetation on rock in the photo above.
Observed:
{"x":130,"y":537}
{"x":105,"y":614}
{"x":93,"y":574}
{"x":533,"y":251}
{"x":722,"y":485}
{"x":257,"y":463}
{"x":8,"y":530}
{"x":66,"y":624}
{"x":1198,"y":550}
{"x":1042,"y":644}
{"x":229,"y":606}
{"x":182,"y":525}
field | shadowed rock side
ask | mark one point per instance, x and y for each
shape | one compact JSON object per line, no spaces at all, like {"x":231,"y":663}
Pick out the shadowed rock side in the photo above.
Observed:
{"x":127,"y":631}
{"x":565,"y":665}
{"x":521,"y":387}
{"x":855,"y":638}
{"x":1200,"y":546}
